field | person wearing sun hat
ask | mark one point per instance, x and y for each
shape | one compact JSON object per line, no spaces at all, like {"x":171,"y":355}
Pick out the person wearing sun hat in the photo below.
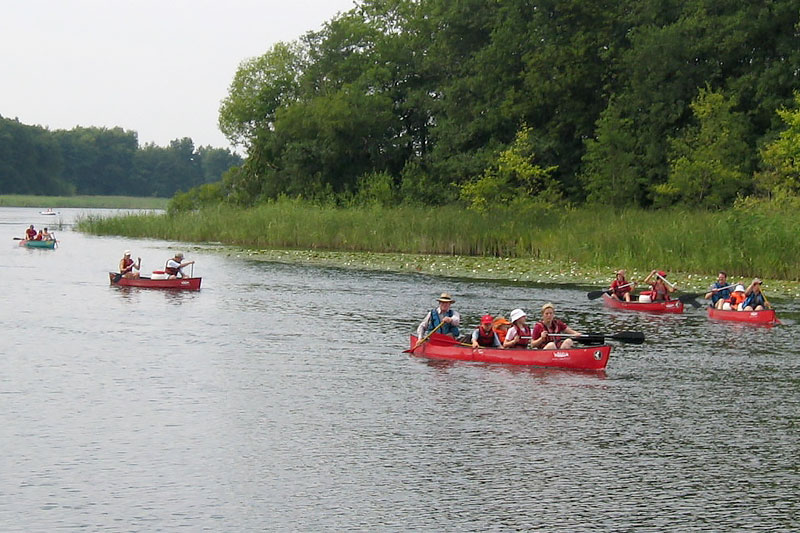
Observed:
{"x":442,"y":318}
{"x":755,"y":300}
{"x":127,"y":266}
{"x":484,"y":335}
{"x":519,"y":334}
{"x":174,"y":266}
{"x":500,"y":326}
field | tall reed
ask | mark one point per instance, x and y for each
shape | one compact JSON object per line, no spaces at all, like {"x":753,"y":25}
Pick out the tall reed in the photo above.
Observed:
{"x":742,"y":242}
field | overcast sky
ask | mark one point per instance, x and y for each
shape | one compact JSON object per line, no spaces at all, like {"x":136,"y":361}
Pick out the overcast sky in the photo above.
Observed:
{"x":157,"y":67}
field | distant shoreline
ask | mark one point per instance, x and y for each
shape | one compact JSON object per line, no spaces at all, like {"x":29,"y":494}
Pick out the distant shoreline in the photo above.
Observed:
{"x":92,"y":202}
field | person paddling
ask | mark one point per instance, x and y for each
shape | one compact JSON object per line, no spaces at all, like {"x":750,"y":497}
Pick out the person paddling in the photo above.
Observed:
{"x":719,"y":291}
{"x":30,"y":233}
{"x":127,"y":266}
{"x":660,"y":289}
{"x":549,"y":324}
{"x":442,"y":319}
{"x":174,"y":266}
{"x":620,"y":287}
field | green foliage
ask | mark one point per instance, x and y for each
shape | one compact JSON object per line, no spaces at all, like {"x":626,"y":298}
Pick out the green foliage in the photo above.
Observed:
{"x":101,"y":161}
{"x":197,"y":197}
{"x":639,"y":240}
{"x":376,"y":188}
{"x":781,"y":157}
{"x":709,"y":162}
{"x":610,"y":173}
{"x":512,"y":176}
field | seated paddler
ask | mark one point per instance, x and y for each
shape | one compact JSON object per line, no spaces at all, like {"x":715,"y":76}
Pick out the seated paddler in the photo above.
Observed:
{"x":441,"y":319}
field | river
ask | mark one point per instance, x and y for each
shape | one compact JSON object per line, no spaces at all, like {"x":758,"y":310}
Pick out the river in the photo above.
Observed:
{"x":277,"y":398}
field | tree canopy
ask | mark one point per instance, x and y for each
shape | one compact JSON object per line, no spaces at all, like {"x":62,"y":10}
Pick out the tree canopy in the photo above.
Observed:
{"x":101,"y":161}
{"x":626,"y":103}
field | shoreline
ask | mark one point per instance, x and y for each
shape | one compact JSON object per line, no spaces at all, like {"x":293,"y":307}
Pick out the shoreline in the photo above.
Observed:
{"x":512,"y":270}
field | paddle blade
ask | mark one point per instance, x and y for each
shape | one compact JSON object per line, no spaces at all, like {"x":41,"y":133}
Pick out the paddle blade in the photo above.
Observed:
{"x":442,"y":339}
{"x":633,"y":337}
{"x":594,"y":295}
{"x":688,"y":298}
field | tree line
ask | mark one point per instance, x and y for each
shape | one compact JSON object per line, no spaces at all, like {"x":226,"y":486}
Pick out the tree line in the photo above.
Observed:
{"x":625,"y":103}
{"x":101,"y":161}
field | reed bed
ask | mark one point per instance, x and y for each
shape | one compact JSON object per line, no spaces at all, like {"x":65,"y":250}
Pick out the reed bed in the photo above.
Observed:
{"x":742,"y":242}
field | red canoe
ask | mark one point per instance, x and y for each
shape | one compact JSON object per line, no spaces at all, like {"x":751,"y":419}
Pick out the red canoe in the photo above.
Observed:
{"x":189,"y":284}
{"x":767,"y":316}
{"x":444,"y":347}
{"x":670,"y":306}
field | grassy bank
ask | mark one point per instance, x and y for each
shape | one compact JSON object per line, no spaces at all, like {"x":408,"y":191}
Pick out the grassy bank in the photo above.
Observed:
{"x":97,"y":202}
{"x":745,"y":242}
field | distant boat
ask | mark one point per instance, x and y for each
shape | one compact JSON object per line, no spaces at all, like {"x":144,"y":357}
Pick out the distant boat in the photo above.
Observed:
{"x":49,"y":212}
{"x":192,"y":284}
{"x":50,"y":245}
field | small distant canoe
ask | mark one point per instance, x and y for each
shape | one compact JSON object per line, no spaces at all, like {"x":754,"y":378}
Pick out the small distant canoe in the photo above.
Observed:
{"x":48,"y":213}
{"x":669,"y":306}
{"x":189,"y":284}
{"x":766,"y":316}
{"x":589,"y":358}
{"x":48,"y":245}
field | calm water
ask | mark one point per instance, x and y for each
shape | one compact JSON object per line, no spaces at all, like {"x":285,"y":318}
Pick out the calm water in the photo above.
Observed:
{"x":277,"y":398}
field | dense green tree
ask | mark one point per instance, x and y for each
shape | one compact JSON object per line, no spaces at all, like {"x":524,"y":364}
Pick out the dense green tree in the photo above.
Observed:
{"x":709,"y":163}
{"x":781,"y":157}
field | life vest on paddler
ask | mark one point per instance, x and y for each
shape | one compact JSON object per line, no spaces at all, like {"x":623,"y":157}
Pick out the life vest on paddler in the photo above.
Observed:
{"x":171,"y":271}
{"x":126,"y":262}
{"x":485,"y":339}
{"x":447,"y":329}
{"x":754,"y":300}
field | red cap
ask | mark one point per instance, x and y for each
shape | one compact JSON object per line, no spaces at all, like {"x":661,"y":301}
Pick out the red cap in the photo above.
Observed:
{"x":662,"y":273}
{"x":486,"y":319}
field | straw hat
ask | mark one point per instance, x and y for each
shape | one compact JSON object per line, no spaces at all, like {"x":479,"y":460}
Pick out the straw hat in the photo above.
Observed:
{"x":445,"y":297}
{"x":179,"y":254}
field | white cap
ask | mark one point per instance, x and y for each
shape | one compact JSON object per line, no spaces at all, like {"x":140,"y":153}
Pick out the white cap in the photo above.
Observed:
{"x":739,"y":288}
{"x":127,"y":252}
{"x":516,"y":314}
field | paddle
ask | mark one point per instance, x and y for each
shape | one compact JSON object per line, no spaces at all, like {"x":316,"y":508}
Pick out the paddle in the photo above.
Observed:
{"x":593,"y":295}
{"x":632,"y":337}
{"x":19,"y":239}
{"x":117,"y":277}
{"x":428,"y":336}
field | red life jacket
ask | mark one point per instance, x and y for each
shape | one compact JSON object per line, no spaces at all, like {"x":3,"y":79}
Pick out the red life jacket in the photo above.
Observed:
{"x":659,"y":292}
{"x":556,"y":326}
{"x":485,"y":339}
{"x":523,"y":336}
